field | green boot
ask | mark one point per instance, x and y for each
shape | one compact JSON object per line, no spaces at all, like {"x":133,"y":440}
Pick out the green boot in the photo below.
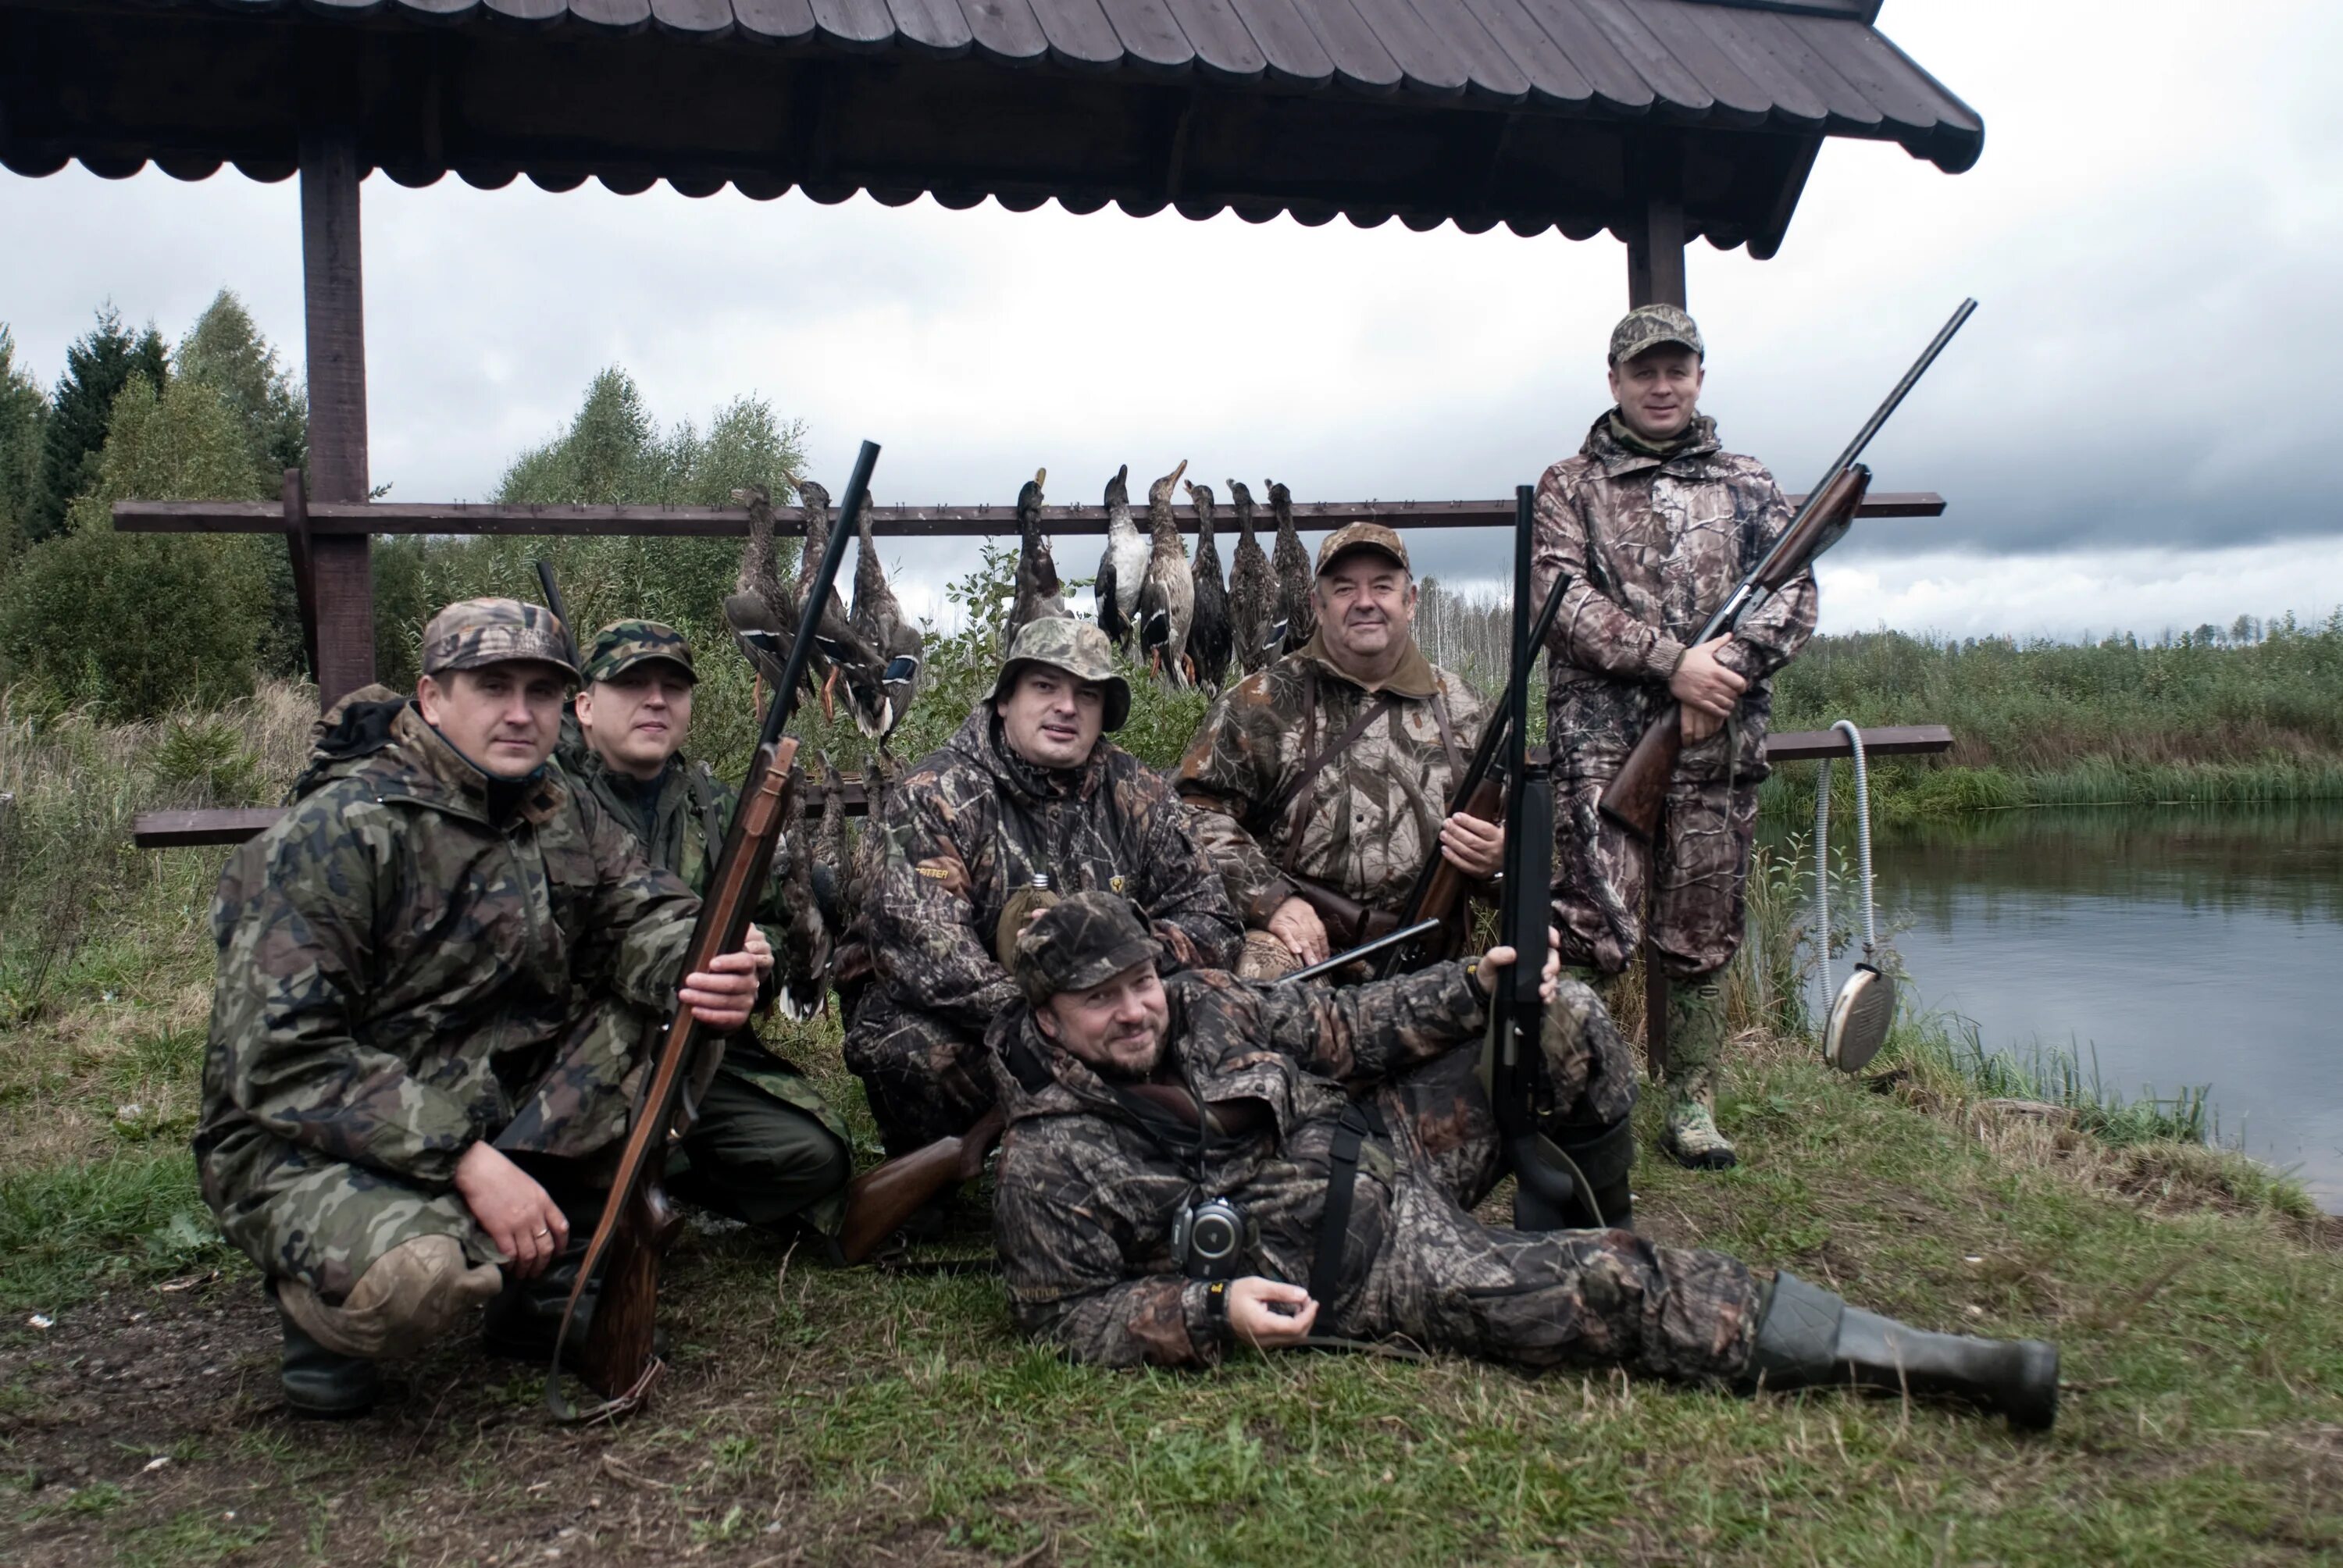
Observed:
{"x":1696,"y":1039}
{"x":1809,"y":1338}
{"x":323,"y":1382}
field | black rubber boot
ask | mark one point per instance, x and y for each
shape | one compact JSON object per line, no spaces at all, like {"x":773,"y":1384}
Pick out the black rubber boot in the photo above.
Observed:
{"x":525,"y":1319}
{"x":322,"y":1382}
{"x":1597,"y":1159}
{"x":1809,"y":1338}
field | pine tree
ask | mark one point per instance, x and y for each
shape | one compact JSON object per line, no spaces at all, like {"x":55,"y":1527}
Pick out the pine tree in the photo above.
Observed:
{"x":24,"y":413}
{"x":224,"y":350}
{"x":97,"y":368}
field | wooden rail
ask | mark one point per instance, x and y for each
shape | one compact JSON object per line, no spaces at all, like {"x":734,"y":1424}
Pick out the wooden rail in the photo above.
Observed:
{"x":185,"y":830}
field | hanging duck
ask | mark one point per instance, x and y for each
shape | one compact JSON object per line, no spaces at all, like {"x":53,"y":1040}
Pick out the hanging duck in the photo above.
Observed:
{"x":1167,"y":598}
{"x":1292,"y":563}
{"x":841,"y":655}
{"x":1123,"y":568}
{"x":1207,"y":632}
{"x":762,"y":615}
{"x":801,"y":958}
{"x":880,"y":621}
{"x":1040,"y":594}
{"x":1254,"y":633}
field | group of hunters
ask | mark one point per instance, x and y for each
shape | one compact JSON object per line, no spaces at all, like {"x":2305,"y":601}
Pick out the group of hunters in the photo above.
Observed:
{"x":441,"y":972}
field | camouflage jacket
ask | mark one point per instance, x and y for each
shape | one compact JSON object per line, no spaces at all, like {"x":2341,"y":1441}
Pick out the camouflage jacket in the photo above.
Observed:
{"x":1370,"y":816}
{"x":400,"y":976}
{"x":971,"y":826}
{"x":1653,"y":547}
{"x":1085,"y":1195}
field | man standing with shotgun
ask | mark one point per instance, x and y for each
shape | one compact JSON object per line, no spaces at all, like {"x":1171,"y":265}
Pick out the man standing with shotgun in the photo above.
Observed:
{"x":1655,"y":524}
{"x":439,"y":975}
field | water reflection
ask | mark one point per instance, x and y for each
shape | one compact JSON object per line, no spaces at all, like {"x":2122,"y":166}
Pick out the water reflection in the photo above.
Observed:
{"x":2181,"y":948}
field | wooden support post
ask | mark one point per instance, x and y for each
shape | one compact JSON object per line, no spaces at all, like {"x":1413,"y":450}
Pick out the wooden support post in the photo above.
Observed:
{"x":305,"y":564}
{"x":1655,"y":234}
{"x":333,"y":287}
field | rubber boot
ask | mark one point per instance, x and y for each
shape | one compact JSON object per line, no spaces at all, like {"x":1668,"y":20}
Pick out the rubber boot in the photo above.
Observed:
{"x":525,"y":1319}
{"x":323,"y":1382}
{"x":1809,"y":1338}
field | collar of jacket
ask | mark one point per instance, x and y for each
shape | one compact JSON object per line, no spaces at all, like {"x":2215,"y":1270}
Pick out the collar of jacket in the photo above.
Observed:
{"x":1617,"y":455}
{"x":420,"y":766}
{"x":1414,"y":678}
{"x":980,"y":741}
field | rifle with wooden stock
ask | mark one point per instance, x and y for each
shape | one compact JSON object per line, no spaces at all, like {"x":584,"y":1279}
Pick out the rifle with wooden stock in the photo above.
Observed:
{"x":1637,"y":794}
{"x":618,"y":1359}
{"x":884,"y":1198}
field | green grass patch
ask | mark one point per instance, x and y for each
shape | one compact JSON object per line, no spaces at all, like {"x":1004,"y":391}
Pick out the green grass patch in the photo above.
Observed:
{"x":68,"y":1232}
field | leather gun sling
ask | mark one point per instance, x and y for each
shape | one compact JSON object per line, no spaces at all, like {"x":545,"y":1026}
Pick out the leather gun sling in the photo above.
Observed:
{"x":1301,"y":797}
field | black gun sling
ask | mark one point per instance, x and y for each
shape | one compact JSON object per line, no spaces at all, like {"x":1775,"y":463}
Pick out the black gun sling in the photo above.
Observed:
{"x":1361,"y":1118}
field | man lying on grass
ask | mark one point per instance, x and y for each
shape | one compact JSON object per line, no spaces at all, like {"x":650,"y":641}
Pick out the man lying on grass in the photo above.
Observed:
{"x":1182,"y":1153}
{"x":436,"y":972}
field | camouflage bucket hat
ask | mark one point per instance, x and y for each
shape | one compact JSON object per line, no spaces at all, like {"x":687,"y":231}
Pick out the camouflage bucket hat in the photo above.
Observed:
{"x":622,"y":645}
{"x":1082,"y":940}
{"x":1076,"y":646}
{"x":476,"y":631}
{"x":1362,"y":537}
{"x":1650,"y":326}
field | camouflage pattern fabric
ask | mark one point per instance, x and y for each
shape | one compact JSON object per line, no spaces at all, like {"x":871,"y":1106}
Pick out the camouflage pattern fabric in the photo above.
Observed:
{"x":1081,"y":649}
{"x":474,"y":632}
{"x":1650,"y":326}
{"x":624,"y":645}
{"x":964,"y":831}
{"x":1653,"y":541}
{"x":675,"y":819}
{"x":412,"y":959}
{"x":1377,"y":809}
{"x":1085,"y":1197}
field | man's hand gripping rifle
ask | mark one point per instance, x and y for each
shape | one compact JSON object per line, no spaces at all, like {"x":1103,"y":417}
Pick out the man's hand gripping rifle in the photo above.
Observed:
{"x":619,"y":1361}
{"x":1637,"y":794}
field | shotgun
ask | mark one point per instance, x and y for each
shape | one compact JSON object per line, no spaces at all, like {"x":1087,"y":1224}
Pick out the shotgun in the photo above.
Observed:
{"x":620,"y":1360}
{"x":553,"y":602}
{"x":1635,"y":797}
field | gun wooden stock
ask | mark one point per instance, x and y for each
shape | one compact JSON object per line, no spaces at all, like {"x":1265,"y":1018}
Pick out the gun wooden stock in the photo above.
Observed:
{"x":1637,"y":796}
{"x":1348,"y":922}
{"x":618,"y":1360}
{"x":1445,"y":895}
{"x":885,"y":1197}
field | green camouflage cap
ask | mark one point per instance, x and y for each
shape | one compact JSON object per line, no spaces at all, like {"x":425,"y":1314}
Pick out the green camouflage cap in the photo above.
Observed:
{"x":1077,"y":647}
{"x":1362,"y":537}
{"x":622,"y":645}
{"x":1082,"y":940}
{"x":1648,"y":326}
{"x":472,"y":632}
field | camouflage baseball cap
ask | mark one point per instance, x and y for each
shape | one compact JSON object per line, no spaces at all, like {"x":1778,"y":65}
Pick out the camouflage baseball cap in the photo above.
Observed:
{"x":1077,"y":647}
{"x":472,"y":632}
{"x":1362,"y":537}
{"x":1082,"y":940}
{"x":1648,"y":326}
{"x":622,"y":645}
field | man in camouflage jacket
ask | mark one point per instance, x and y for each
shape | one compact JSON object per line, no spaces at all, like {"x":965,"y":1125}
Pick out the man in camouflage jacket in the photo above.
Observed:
{"x":1655,"y":522}
{"x":1363,"y":821}
{"x":766,"y":1148}
{"x":440,"y":973}
{"x":1029,"y":789}
{"x":1131,"y":1096}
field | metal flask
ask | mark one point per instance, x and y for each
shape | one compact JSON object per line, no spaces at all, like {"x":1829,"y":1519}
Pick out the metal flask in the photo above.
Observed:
{"x":1864,"y":1008}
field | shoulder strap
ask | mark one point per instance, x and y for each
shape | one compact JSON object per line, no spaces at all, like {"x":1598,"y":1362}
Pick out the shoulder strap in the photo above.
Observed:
{"x":1447,"y":736}
{"x":1360,"y":1118}
{"x":1300,"y":798}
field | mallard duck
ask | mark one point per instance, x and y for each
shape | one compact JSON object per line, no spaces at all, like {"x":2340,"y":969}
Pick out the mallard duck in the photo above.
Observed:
{"x":1254,"y":632}
{"x":1294,"y":575}
{"x":831,"y":857}
{"x":1123,"y":568}
{"x":841,"y":654}
{"x":1038,"y":591}
{"x":760,"y":612}
{"x":880,"y":621}
{"x":801,"y":962}
{"x":1208,"y":633}
{"x":1167,"y":598}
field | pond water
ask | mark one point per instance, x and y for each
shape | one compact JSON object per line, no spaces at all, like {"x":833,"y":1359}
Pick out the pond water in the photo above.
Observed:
{"x":2170,"y":948}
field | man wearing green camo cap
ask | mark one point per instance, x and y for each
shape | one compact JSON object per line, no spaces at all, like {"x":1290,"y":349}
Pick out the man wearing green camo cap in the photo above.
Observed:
{"x":1028,"y":802}
{"x":439,"y":973}
{"x":767,"y":1148}
{"x":1655,"y":522}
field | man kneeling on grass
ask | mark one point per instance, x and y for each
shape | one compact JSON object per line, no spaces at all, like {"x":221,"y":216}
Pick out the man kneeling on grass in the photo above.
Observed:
{"x":439,"y":973}
{"x":1182,"y":1153}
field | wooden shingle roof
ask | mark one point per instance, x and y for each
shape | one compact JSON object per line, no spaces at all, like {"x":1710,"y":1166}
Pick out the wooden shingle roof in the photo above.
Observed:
{"x":1536,"y":114}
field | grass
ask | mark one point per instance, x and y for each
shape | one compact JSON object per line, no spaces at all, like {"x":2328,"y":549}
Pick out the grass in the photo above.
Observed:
{"x":850,"y":1416}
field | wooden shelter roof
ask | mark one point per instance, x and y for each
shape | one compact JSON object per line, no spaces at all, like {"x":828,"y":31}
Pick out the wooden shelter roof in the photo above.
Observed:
{"x":1535,"y":114}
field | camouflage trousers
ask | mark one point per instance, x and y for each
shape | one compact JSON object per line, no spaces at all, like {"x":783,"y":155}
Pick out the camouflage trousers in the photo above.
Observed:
{"x":1604,"y":877}
{"x":925,"y":1079}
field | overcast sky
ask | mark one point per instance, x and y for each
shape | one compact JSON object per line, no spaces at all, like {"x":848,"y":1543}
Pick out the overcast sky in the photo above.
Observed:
{"x":2123,"y":430}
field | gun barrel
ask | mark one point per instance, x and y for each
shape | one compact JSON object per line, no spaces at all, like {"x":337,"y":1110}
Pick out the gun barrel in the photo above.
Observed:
{"x":849,"y":507}
{"x":1364,"y":950}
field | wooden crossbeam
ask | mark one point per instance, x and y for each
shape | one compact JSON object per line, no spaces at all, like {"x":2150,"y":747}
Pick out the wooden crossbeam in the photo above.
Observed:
{"x":185,"y":830}
{"x":346,"y":520}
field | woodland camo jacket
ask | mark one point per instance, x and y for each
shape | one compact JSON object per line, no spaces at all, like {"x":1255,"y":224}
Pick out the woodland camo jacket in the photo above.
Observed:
{"x":1653,"y":545}
{"x":399,"y":974}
